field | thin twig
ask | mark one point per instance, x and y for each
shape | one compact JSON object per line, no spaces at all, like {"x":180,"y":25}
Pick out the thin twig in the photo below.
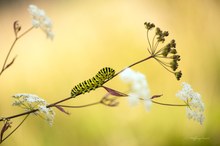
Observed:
{"x":153,"y":45}
{"x":6,"y":59}
{"x":25,"y":32}
{"x":149,"y":41}
{"x":140,"y":61}
{"x":161,"y":63}
{"x":15,"y":128}
{"x":11,"y":48}
{"x":18,"y":115}
{"x":168,"y":104}
{"x":80,"y":106}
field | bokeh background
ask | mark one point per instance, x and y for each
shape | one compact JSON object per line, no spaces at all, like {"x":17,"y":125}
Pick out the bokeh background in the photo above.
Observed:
{"x":93,"y":34}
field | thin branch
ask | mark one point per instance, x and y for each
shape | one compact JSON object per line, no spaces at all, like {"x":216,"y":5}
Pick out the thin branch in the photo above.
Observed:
{"x":149,"y":50}
{"x":163,"y":65}
{"x":160,"y":50}
{"x":15,"y":128}
{"x":6,"y":59}
{"x":11,"y":48}
{"x":138,"y":62}
{"x":153,"y":45}
{"x":53,"y":104}
{"x":162,"y":62}
{"x":149,"y":40}
{"x":19,"y":115}
{"x":25,"y":32}
{"x":80,"y":106}
{"x":156,"y":44}
{"x":168,"y":104}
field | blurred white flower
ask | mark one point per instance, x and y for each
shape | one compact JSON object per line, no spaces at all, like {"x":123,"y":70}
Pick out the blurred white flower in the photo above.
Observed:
{"x":139,"y":87}
{"x":30,"y":102}
{"x":193,"y":99}
{"x":39,"y":19}
{"x":48,"y":112}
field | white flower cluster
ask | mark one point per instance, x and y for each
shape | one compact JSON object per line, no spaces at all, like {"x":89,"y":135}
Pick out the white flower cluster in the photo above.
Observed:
{"x":30,"y":101}
{"x":48,"y":112}
{"x":40,"y":19}
{"x":139,"y":87}
{"x":193,"y":99}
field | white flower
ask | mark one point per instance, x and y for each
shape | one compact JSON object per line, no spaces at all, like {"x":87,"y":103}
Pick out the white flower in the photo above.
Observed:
{"x":139,"y":87}
{"x":193,"y":99}
{"x":27,"y":101}
{"x":148,"y":104}
{"x":48,"y":112}
{"x":40,"y":19}
{"x":30,"y":102}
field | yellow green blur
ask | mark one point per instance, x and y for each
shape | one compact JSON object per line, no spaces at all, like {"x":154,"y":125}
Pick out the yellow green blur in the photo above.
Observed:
{"x":90,"y":35}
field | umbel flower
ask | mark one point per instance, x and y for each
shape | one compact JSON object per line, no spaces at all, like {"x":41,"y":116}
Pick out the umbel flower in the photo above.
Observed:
{"x":30,"y":102}
{"x":40,"y":19}
{"x":195,"y":106}
{"x":165,"y":52}
{"x":138,"y":87}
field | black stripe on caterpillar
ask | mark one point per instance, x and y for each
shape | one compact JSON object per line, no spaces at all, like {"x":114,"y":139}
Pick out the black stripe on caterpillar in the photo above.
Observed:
{"x":93,"y":83}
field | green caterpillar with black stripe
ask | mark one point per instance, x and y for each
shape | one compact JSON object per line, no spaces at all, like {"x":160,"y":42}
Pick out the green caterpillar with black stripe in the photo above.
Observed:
{"x":93,"y":83}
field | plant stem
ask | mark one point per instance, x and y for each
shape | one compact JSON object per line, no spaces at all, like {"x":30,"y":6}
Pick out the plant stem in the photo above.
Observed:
{"x":18,"y":115}
{"x":60,"y":101}
{"x":15,"y":128}
{"x":149,"y":41}
{"x":133,"y":64}
{"x":25,"y":32}
{"x":9,"y":52}
{"x":168,"y":104}
{"x":80,"y":106}
{"x":11,"y":48}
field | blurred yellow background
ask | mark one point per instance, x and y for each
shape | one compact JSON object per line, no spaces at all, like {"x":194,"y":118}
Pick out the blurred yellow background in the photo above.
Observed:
{"x":90,"y":35}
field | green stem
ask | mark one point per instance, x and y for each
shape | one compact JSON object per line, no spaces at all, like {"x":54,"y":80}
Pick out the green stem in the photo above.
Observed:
{"x":168,"y":104}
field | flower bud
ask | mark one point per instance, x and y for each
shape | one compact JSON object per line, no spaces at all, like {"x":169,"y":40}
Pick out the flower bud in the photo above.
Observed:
{"x":176,"y":57}
{"x":165,"y":33}
{"x":174,"y":65}
{"x":178,"y":75}
{"x":158,"y":31}
{"x":149,"y":25}
{"x":173,"y":44}
{"x":173,"y":51}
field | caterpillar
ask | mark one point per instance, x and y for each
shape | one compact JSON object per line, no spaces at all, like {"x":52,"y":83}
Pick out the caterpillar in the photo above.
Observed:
{"x":93,"y":83}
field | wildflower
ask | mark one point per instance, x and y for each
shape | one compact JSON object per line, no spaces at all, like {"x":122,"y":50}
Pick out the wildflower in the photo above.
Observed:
{"x":49,"y":113}
{"x":27,"y":101}
{"x":30,"y":102}
{"x":195,"y":106}
{"x":139,"y":87}
{"x":166,"y":52}
{"x":40,"y":19}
